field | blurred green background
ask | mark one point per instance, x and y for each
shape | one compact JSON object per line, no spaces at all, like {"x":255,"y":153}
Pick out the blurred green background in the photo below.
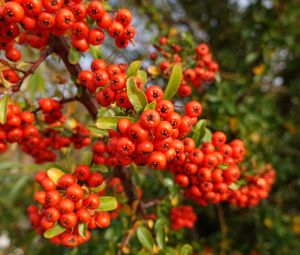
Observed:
{"x":258,"y":100}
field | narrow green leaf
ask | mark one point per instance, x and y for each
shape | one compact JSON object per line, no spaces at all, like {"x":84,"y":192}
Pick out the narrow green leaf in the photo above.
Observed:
{"x":54,"y":231}
{"x":74,"y":56}
{"x":207,"y":136}
{"x":99,"y":188}
{"x":186,"y":250}
{"x":222,"y":166}
{"x":55,"y":174}
{"x":174,"y":82}
{"x":234,"y":186}
{"x":3,"y":108}
{"x":96,"y":132}
{"x":107,"y":6}
{"x":145,"y":238}
{"x":134,"y":68}
{"x":36,"y":83}
{"x":143,"y":76}
{"x":150,"y":106}
{"x":107,"y":204}
{"x":160,"y":233}
{"x":100,"y":168}
{"x":87,"y":158}
{"x":17,"y":187}
{"x":136,"y":97}
{"x":82,"y":228}
{"x":109,"y":122}
{"x":95,"y":51}
{"x":218,"y":77}
{"x":144,"y":253}
{"x":199,"y":131}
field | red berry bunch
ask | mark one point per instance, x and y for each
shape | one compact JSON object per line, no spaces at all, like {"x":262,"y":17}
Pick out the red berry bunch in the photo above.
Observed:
{"x":154,"y":140}
{"x":70,"y":202}
{"x":20,"y":127}
{"x":182,"y":217}
{"x":34,"y":21}
{"x":51,"y":109}
{"x":208,"y":171}
{"x":201,"y":70}
{"x":108,"y":82}
{"x":257,"y":189}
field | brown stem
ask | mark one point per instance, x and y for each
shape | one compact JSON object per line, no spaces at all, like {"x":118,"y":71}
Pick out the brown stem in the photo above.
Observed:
{"x":32,"y":69}
{"x":125,"y":175}
{"x":223,"y":228}
{"x":127,"y":238}
{"x":6,"y":63}
{"x":61,"y":48}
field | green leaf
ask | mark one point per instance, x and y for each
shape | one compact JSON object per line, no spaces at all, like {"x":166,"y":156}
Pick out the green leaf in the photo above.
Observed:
{"x":174,"y":82}
{"x":144,"y":253}
{"x":74,"y":56}
{"x":186,"y":250}
{"x":35,"y":83}
{"x":107,"y":6}
{"x":133,"y":68}
{"x":145,"y":238}
{"x":55,"y":174}
{"x":54,"y":231}
{"x":207,"y":136}
{"x":96,"y":132}
{"x":17,"y":187}
{"x":143,"y":76}
{"x":218,"y":77}
{"x":160,"y":233}
{"x":3,"y":108}
{"x":95,"y":51}
{"x":87,"y":158}
{"x":222,"y":166}
{"x":136,"y":97}
{"x":82,"y":228}
{"x":199,"y":131}
{"x":110,"y":122}
{"x":234,"y":186}
{"x":100,"y":168}
{"x":150,"y":106}
{"x":107,"y":204}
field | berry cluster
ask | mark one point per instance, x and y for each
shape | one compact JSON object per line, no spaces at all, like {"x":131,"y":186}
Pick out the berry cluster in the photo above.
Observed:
{"x":257,"y":189}
{"x":182,"y":217}
{"x":20,"y":128}
{"x":208,"y":171}
{"x":197,"y":72}
{"x":51,"y":109}
{"x":153,"y":140}
{"x":70,"y":202}
{"x":34,"y":21}
{"x":108,"y":82}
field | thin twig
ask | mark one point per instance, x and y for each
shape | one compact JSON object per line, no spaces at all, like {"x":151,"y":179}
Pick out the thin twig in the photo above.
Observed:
{"x":32,"y":69}
{"x":223,"y":228}
{"x":6,"y":63}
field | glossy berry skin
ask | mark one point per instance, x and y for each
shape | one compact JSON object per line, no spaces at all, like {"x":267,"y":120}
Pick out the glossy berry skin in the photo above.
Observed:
{"x":102,"y":220}
{"x":66,"y":181}
{"x":83,"y":215}
{"x":95,"y":179}
{"x":68,"y":220}
{"x":91,"y":201}
{"x":75,"y":193}
{"x":82,"y":172}
{"x":157,"y":160}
